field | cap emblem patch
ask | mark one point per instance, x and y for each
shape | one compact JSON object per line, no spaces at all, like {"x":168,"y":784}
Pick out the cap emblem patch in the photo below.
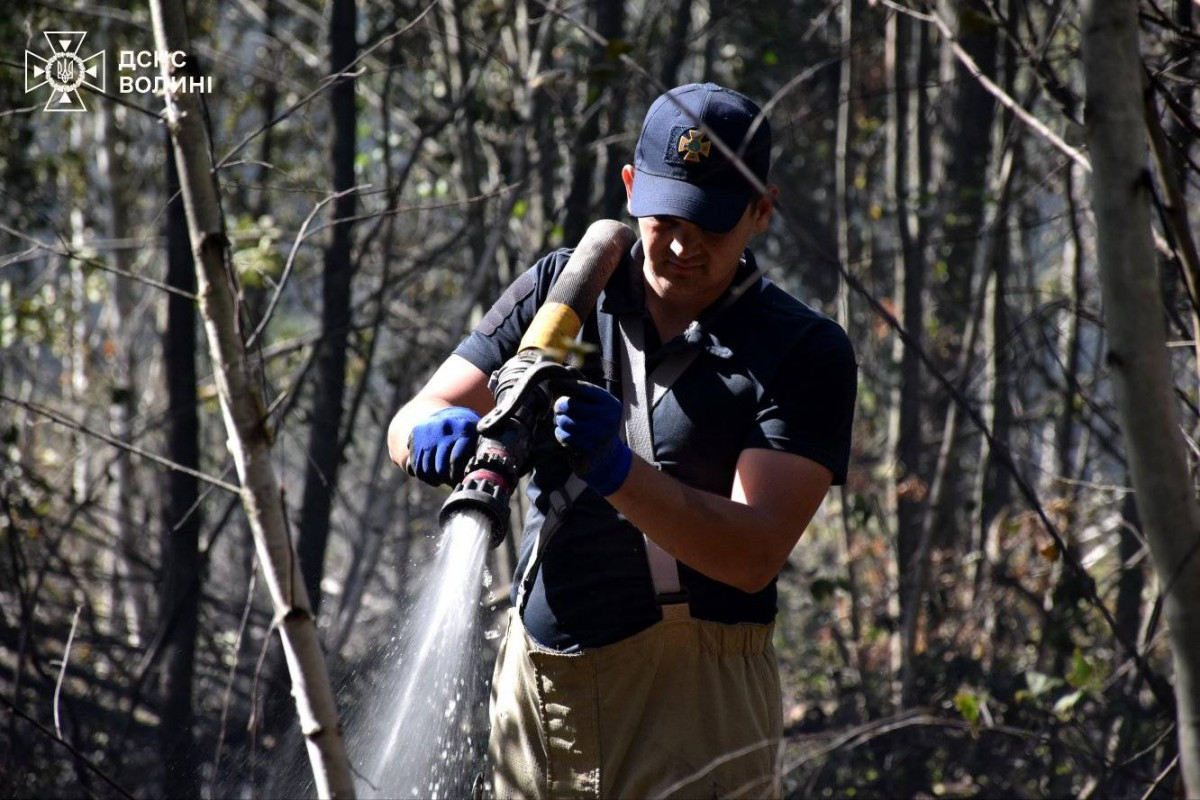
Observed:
{"x":693,"y":146}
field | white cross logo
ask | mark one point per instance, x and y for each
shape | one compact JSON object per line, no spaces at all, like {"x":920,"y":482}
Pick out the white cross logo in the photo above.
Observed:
{"x":65,"y":71}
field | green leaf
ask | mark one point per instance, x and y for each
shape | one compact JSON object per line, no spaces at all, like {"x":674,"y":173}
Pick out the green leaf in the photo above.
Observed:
{"x":1081,"y":674}
{"x":770,"y":59}
{"x":520,"y":208}
{"x":968,"y":704}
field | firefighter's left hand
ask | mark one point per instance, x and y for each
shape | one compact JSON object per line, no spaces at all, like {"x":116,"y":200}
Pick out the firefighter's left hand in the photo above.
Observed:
{"x":588,"y":421}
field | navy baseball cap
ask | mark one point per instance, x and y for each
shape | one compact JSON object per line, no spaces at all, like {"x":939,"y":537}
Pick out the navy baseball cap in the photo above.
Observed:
{"x":680,"y":172}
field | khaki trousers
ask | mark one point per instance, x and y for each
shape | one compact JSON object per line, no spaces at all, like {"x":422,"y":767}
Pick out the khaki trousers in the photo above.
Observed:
{"x":685,"y":708}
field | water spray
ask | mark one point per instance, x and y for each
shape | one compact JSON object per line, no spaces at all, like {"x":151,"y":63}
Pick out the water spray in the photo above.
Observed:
{"x":419,"y":745}
{"x":518,"y":427}
{"x":431,"y":689}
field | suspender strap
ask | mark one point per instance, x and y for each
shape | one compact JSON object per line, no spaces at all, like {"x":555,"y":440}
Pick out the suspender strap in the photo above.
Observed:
{"x":639,"y":434}
{"x":638,"y":431}
{"x":638,"y":419}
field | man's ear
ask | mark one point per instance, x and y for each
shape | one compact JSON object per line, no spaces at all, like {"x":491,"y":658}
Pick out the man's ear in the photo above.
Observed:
{"x":764,"y":207}
{"x":627,"y":178}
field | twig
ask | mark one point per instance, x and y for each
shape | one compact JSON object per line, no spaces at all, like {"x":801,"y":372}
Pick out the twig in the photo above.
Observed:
{"x":66,"y":422}
{"x":987,"y":83}
{"x":237,"y":648}
{"x":1161,"y":777}
{"x":69,"y":253}
{"x":121,"y":101}
{"x":1162,"y":737}
{"x":722,"y":146}
{"x":62,"y":672}
{"x":79,"y":757}
{"x":716,"y":762}
{"x":291,"y":259}
{"x":326,"y":82}
{"x":872,"y":730}
{"x":252,"y":722}
{"x":499,"y":191}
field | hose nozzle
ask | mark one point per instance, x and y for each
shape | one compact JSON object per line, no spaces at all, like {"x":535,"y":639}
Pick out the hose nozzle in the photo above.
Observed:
{"x":524,"y":384}
{"x":484,"y":491}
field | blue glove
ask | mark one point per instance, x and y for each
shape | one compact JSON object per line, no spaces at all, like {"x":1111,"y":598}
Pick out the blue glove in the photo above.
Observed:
{"x":442,"y":444}
{"x":588,"y":421}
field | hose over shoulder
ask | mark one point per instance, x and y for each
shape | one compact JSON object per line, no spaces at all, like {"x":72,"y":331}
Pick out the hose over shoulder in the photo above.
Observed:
{"x":574,"y":294}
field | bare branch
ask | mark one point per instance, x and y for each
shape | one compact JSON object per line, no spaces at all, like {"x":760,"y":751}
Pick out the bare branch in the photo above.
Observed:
{"x":326,"y":82}
{"x":291,"y":259}
{"x":62,"y":672}
{"x":987,"y":83}
{"x":66,"y":422}
{"x":1162,"y":776}
{"x":79,"y":757}
{"x":68,"y":252}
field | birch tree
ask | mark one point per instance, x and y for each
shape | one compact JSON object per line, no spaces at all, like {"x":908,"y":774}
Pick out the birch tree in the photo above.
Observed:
{"x":1137,"y":353}
{"x":244,"y":414}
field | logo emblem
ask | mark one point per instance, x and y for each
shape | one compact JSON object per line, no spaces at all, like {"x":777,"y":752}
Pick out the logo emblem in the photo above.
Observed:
{"x":65,"y":71}
{"x":693,"y":146}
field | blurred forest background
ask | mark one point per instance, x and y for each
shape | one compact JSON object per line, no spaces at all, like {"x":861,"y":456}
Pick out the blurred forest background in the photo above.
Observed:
{"x":961,"y":619}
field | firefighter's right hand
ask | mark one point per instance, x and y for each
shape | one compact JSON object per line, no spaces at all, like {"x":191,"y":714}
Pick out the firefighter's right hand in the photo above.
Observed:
{"x":441,"y":445}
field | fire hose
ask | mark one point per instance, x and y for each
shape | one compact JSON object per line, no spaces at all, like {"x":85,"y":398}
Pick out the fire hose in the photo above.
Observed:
{"x":513,"y":433}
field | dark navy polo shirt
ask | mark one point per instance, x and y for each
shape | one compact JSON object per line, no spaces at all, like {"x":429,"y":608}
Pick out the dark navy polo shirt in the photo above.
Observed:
{"x":771,"y":373}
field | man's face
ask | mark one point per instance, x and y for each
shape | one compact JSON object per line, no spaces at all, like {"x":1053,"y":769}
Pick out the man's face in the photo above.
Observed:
{"x":684,"y":262}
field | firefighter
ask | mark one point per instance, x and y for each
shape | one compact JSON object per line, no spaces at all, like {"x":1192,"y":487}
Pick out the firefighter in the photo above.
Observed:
{"x":715,"y":415}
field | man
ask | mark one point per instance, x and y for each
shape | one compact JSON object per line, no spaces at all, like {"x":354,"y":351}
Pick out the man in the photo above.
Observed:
{"x":638,"y":658}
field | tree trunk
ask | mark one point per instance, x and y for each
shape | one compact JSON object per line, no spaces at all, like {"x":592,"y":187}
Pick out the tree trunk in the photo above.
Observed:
{"x":964,"y":139}
{"x":716,"y":30}
{"x":180,"y":592}
{"x":607,"y":16}
{"x":269,"y":105}
{"x":677,"y":43}
{"x":1124,"y":714}
{"x":466,"y":139}
{"x":1063,"y":589}
{"x":244,"y":413}
{"x":80,"y":348}
{"x":329,"y":388}
{"x":376,"y":521}
{"x":958,"y":193}
{"x":843,"y":172}
{"x":1130,"y":585}
{"x":908,"y":489}
{"x":122,"y":400}
{"x":1137,"y":354}
{"x":617,"y":150}
{"x":1069,"y":344}
{"x":995,"y":483}
{"x":531,"y":49}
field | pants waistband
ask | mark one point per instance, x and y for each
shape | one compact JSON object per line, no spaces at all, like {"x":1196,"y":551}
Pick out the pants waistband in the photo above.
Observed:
{"x":715,"y":638}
